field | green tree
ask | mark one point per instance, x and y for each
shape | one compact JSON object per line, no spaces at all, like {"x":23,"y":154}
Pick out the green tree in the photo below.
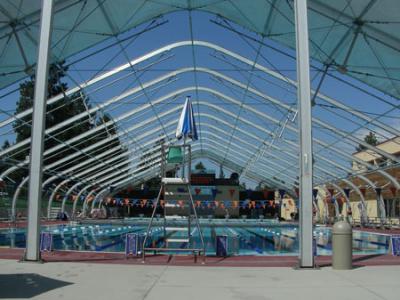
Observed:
{"x":370,"y":139}
{"x":58,"y":112}
{"x":3,"y":160}
{"x":200,"y":167}
{"x":6,"y":145}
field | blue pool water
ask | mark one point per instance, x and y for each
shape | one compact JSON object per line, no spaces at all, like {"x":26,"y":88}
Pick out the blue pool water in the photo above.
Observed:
{"x":244,"y":237}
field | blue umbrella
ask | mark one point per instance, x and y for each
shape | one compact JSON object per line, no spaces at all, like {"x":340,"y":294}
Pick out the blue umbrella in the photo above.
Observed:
{"x":187,"y":125}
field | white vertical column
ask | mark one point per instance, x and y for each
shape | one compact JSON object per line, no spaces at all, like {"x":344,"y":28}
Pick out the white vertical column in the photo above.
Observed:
{"x":38,"y":126}
{"x":306,"y":259}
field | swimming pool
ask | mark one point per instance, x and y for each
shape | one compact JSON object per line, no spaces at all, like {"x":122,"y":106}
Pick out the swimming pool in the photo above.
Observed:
{"x":245,"y":237}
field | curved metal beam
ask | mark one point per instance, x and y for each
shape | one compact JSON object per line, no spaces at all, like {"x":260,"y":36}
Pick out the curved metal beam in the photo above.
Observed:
{"x":363,"y":210}
{"x":215,"y":73}
{"x":215,"y":47}
{"x":343,"y":194}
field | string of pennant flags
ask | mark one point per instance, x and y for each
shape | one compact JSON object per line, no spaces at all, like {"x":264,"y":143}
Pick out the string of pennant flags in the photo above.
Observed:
{"x":215,"y":191}
{"x":198,"y":203}
{"x":227,"y":203}
{"x":145,"y":203}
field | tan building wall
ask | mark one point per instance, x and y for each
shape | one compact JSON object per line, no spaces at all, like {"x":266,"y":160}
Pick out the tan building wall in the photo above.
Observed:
{"x":372,"y":209}
{"x":391,"y":146}
{"x":388,"y":191}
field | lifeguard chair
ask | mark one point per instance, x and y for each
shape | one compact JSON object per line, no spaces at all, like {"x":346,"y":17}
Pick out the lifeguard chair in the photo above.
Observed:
{"x":179,"y":210}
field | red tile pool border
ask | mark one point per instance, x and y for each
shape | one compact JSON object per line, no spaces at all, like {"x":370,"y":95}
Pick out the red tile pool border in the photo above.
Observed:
{"x":187,"y":260}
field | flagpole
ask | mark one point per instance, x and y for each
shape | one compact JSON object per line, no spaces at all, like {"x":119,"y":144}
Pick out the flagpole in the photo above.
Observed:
{"x":184,"y":156}
{"x":184,"y":147}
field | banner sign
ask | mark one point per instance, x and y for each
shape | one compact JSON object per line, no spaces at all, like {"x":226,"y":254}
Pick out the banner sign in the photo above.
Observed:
{"x":347,"y":192}
{"x":314,"y":246}
{"x":133,"y":244}
{"x":46,"y":241}
{"x":395,"y":244}
{"x":202,"y":179}
{"x":221,"y":247}
{"x":282,"y":193}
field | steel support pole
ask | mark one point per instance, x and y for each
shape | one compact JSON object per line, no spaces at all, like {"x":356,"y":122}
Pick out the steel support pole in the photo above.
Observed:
{"x":306,"y":257}
{"x":32,"y":252}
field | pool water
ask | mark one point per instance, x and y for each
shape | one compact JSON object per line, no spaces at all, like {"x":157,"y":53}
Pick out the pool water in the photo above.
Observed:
{"x":244,"y":237}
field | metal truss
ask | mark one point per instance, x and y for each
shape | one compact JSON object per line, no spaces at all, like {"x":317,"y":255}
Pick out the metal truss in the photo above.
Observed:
{"x":108,"y":165}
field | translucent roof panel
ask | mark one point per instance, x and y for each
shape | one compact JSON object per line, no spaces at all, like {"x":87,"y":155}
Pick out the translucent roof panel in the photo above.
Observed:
{"x":360,"y":38}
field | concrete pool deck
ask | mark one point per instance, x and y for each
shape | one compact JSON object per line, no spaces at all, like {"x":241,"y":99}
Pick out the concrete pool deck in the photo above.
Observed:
{"x":110,"y":281}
